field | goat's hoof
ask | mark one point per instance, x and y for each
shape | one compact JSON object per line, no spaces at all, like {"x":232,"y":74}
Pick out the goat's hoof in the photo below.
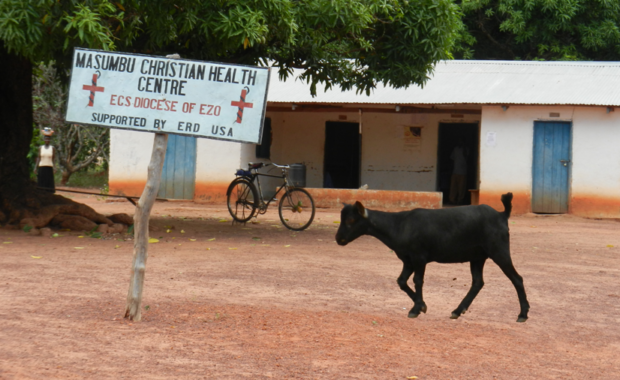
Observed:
{"x":522,"y":319}
{"x":454,"y":316}
{"x":412,"y":315}
{"x":423,"y":309}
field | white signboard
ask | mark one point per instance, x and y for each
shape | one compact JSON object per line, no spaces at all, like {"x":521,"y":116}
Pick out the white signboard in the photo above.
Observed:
{"x":165,"y":95}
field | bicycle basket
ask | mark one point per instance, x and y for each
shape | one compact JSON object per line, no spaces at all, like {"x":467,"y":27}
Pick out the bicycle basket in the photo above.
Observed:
{"x":297,"y":175}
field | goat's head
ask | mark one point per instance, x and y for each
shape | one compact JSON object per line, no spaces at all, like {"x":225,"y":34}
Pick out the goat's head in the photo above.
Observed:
{"x":353,"y":223}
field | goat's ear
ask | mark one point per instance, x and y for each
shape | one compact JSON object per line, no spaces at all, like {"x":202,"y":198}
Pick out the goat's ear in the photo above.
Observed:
{"x":361,"y":209}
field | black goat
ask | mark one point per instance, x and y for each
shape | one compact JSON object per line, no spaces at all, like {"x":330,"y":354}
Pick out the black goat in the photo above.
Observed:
{"x":454,"y":235}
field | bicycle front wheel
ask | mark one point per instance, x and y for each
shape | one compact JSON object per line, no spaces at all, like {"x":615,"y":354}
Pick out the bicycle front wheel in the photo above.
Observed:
{"x":242,"y":200}
{"x":296,"y":209}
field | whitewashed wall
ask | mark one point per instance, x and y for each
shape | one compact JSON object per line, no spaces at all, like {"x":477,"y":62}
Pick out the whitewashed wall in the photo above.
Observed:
{"x":130,"y":154}
{"x":596,"y":152}
{"x":506,"y":163}
{"x":216,"y":163}
{"x":386,"y":163}
{"x":216,"y":160}
{"x":595,"y":169}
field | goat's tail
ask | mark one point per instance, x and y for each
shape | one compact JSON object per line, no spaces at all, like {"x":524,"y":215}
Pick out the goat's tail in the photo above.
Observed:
{"x":507,"y":201}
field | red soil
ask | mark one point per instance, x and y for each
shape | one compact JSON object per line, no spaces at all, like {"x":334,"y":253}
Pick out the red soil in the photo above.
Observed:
{"x":296,"y":305}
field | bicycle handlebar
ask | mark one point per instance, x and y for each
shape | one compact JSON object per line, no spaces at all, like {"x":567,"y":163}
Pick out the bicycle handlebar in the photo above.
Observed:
{"x":268,"y":164}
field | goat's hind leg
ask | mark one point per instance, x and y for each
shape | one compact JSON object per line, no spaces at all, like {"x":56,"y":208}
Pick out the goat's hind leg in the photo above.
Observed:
{"x":505,"y":263}
{"x":402,"y":283}
{"x":477,"y":283}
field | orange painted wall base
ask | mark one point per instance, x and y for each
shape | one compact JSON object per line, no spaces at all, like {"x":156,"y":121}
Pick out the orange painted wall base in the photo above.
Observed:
{"x":585,"y":205}
{"x":211,"y":193}
{"x":521,"y":201}
{"x":376,"y":199}
{"x":593,"y":206}
{"x":127,"y":188}
{"x":215,"y":193}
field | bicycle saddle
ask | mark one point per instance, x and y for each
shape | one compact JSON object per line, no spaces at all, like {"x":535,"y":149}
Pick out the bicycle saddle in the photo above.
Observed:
{"x":257,"y":165}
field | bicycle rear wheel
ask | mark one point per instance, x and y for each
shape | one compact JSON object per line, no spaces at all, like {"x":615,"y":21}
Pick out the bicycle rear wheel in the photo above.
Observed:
{"x":296,"y":209}
{"x":242,"y":199}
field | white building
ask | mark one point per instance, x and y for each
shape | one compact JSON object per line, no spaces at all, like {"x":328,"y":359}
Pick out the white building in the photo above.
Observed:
{"x":546,"y":131}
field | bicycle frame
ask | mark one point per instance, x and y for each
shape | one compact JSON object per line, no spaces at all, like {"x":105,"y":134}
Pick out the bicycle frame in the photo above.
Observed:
{"x":262,"y":208}
{"x":242,"y":207}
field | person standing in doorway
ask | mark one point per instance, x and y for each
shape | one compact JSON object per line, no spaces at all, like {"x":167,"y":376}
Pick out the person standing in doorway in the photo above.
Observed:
{"x":458,"y":182}
{"x":45,"y":163}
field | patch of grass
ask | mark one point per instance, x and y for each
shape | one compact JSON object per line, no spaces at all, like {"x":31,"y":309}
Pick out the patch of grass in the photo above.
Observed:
{"x":92,"y":178}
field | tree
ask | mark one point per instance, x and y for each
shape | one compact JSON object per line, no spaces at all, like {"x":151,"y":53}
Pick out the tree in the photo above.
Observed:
{"x":77,"y":146}
{"x":541,"y":30}
{"x":34,"y":31}
{"x":350,"y":43}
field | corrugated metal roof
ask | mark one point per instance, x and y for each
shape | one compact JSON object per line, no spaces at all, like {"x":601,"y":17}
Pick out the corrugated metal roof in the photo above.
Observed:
{"x":481,"y":82}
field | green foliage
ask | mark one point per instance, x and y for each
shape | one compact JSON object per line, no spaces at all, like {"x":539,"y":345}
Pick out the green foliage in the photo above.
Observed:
{"x":77,"y":147}
{"x":94,"y":234}
{"x":105,"y":189}
{"x":542,"y":29}
{"x":92,"y":178}
{"x":43,"y":30}
{"x":351,"y":43}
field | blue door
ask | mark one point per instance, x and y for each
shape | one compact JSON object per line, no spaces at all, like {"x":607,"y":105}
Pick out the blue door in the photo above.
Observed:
{"x":551,"y":167}
{"x":178,"y":178}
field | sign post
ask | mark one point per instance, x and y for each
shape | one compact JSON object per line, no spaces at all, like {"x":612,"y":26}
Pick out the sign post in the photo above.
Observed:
{"x":162,"y":96}
{"x":141,"y":228}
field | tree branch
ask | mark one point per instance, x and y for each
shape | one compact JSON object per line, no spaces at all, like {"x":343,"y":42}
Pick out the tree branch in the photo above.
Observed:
{"x":490,"y":37}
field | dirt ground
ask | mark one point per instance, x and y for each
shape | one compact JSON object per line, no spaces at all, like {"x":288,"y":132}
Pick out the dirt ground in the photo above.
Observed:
{"x":259,"y":301}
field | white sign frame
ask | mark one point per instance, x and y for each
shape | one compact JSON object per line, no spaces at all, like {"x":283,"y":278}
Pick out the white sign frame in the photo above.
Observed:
{"x":165,"y":95}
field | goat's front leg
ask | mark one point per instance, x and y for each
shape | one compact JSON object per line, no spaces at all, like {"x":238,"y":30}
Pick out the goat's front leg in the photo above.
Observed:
{"x":418,"y":301}
{"x":402,"y":283}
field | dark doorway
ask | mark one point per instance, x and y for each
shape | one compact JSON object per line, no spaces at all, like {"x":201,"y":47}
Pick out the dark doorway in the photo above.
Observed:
{"x":449,"y":136}
{"x":263,"y":150}
{"x":342,"y":155}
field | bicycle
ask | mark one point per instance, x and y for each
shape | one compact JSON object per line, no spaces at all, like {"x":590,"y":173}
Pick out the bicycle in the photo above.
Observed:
{"x":245,"y":200}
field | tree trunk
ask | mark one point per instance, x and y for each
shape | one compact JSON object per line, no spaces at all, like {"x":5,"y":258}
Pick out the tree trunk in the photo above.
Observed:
{"x":65,"y":177}
{"x":21,"y":203}
{"x":141,"y":228}
{"x":15,"y":127}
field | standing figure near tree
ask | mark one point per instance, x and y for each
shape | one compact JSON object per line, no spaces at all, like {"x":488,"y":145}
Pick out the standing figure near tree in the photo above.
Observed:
{"x":45,"y":163}
{"x":458,"y":183}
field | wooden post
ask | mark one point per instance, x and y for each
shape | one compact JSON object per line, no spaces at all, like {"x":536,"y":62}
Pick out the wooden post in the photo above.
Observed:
{"x":141,"y":228}
{"x":141,"y":224}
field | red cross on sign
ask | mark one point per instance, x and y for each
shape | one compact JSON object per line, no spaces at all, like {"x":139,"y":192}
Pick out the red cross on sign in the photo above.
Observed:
{"x":93,"y":88}
{"x":241,"y":104}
